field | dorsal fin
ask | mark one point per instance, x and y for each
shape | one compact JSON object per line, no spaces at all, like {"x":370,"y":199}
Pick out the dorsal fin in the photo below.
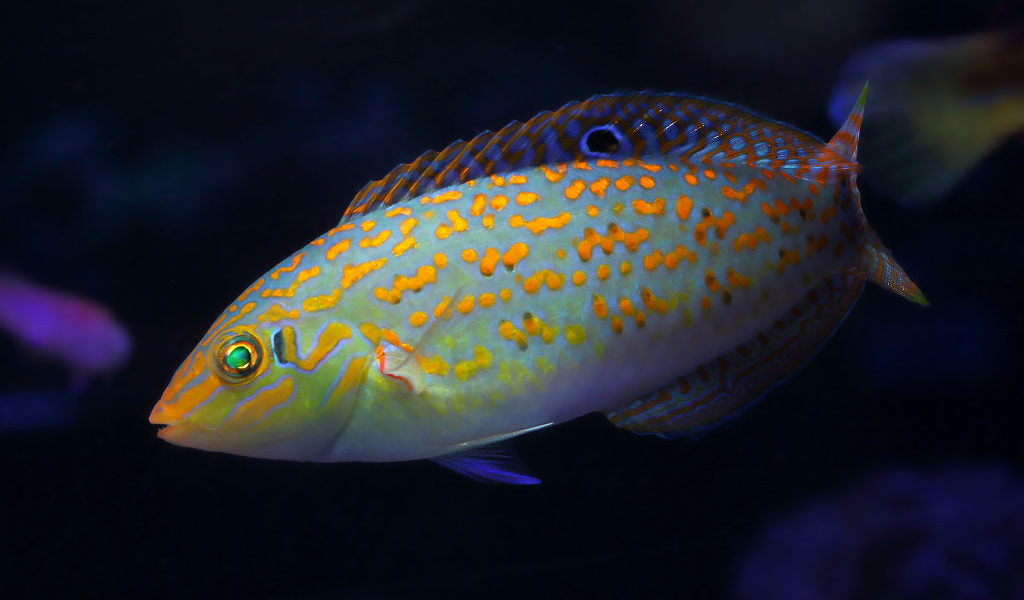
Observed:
{"x":636,"y":125}
{"x":844,"y":142}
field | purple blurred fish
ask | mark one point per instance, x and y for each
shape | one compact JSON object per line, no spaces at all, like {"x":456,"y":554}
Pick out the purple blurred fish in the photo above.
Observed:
{"x":58,"y":325}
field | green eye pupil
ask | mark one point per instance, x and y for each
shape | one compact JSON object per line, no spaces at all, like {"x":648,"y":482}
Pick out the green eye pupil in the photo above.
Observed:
{"x":238,"y":359}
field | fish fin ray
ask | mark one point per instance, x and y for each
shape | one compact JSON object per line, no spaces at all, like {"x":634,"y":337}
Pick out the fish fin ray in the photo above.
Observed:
{"x":845,"y":141}
{"x":721,"y":389}
{"x":551,"y":138}
{"x":495,"y":463}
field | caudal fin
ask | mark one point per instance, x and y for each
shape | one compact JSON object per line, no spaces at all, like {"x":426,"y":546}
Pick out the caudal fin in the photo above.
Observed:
{"x":875,"y":262}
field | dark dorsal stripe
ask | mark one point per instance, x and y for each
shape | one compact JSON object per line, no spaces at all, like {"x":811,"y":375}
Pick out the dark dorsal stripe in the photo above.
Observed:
{"x":643,"y":124}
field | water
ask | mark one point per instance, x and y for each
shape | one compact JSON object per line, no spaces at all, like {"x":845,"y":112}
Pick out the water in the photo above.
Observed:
{"x":144,"y":145}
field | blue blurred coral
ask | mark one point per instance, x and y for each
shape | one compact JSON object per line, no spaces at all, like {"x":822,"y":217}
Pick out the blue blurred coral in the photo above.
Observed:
{"x":953,"y":532}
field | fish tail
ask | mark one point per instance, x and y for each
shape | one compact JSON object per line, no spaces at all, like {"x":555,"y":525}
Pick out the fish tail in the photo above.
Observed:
{"x":874,"y":261}
{"x":878,"y":265}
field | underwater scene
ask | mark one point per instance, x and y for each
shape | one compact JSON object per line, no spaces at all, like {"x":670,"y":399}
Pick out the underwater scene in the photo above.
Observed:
{"x":450,"y":299}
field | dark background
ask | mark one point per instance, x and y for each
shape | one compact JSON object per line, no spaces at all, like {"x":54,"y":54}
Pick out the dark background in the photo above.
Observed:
{"x":158,"y":157}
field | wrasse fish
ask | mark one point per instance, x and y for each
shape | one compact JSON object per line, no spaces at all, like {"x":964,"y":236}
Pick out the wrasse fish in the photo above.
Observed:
{"x":938,"y":107}
{"x":662,"y":258}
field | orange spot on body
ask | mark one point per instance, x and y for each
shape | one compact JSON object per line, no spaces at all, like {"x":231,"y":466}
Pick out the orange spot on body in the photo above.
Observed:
{"x":478,"y":206}
{"x":683,"y":207}
{"x":737,"y":280}
{"x":554,"y":176}
{"x":673,"y":258}
{"x":404,"y":245}
{"x":290,"y":267}
{"x":598,"y":187}
{"x":377,"y":240}
{"x":499,"y":201}
{"x":623,"y":183}
{"x":513,"y":255}
{"x":575,"y":189}
{"x":337,"y":249}
{"x":751,"y":240}
{"x":539,"y":224}
{"x":652,"y":260}
{"x":447,"y":196}
{"x":489,"y":261}
{"x":656,"y":208}
{"x":525,"y":198}
{"x":466,"y":304}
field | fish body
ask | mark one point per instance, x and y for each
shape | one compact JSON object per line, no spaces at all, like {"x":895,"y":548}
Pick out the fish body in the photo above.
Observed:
{"x":938,"y":107}
{"x":664,"y":259}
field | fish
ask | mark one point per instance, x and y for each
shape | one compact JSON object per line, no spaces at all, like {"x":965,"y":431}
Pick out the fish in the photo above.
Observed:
{"x":939,"y":107}
{"x":63,"y":326}
{"x":661,"y":258}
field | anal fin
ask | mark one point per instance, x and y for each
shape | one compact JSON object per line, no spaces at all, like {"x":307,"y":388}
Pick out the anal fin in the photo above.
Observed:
{"x":720,"y":389}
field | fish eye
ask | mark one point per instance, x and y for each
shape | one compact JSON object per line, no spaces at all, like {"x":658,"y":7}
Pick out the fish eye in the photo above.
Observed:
{"x":601,"y":140}
{"x":238,"y":358}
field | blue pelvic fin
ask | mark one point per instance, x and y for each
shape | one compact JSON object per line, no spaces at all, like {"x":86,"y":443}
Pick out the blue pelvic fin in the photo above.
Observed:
{"x":494,"y":463}
{"x":720,"y":389}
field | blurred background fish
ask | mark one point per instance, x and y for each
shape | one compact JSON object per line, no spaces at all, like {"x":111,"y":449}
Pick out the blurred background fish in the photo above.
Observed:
{"x":938,"y":106}
{"x":64,"y":327}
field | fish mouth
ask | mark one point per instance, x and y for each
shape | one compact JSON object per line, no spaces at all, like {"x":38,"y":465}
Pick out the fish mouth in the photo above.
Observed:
{"x":172,"y":428}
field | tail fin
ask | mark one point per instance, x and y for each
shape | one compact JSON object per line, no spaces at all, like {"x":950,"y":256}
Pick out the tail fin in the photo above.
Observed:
{"x":876,"y":262}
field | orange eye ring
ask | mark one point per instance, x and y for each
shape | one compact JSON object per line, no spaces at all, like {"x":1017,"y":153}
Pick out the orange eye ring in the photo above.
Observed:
{"x":239,"y":358}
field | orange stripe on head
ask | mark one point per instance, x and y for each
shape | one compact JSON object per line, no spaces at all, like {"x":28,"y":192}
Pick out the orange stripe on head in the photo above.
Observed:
{"x":253,"y":409}
{"x":170,"y":409}
{"x":325,"y":344}
{"x":350,"y":379}
{"x":246,"y":309}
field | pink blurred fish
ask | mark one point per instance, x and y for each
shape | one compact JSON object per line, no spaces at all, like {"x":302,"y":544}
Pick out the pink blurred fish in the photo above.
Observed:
{"x":74,"y":330}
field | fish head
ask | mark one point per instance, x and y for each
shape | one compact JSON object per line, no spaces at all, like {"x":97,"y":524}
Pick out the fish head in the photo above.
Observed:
{"x":243,"y":390}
